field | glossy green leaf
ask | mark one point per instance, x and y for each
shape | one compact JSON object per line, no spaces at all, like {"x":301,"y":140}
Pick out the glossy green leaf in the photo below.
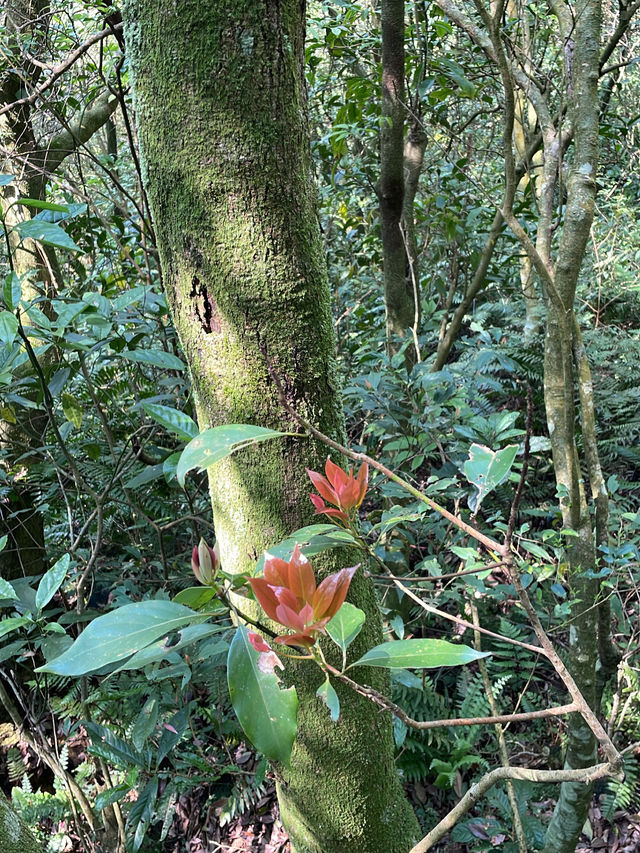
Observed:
{"x":329,"y":696}
{"x":141,"y":812}
{"x":8,"y":328}
{"x":3,"y":543}
{"x":195,"y":597}
{"x":154,"y":357}
{"x":12,"y":623}
{"x":486,"y":469}
{"x":51,"y":581}
{"x":121,"y":633}
{"x":117,"y":751}
{"x":346,"y":625}
{"x":145,"y":723}
{"x":267,"y":713}
{"x":313,"y":539}
{"x":43,"y":205}
{"x":112,"y":795}
{"x":216,"y":443}
{"x":172,"y":419}
{"x":47,"y":233}
{"x":419,"y":654}
{"x":6,"y":589}
{"x":12,"y":291}
{"x":163,"y":648}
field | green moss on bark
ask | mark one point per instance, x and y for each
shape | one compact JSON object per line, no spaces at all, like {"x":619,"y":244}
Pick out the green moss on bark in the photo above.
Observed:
{"x":15,"y":835}
{"x":220,"y":104}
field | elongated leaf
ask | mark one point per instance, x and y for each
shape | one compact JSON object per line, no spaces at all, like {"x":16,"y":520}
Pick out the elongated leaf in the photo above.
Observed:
{"x":6,"y":589}
{"x":10,"y":624}
{"x":145,"y":723}
{"x":51,"y":581}
{"x":195,"y":597}
{"x":120,"y":634}
{"x":108,"y":745}
{"x":419,"y":654}
{"x":160,"y":650}
{"x":329,"y":696}
{"x":313,"y":539}
{"x":3,"y":543}
{"x":12,"y":291}
{"x":43,"y":205}
{"x":155,"y":357}
{"x":47,"y":233}
{"x":216,"y":443}
{"x":142,"y":812}
{"x":112,"y":795}
{"x":346,"y":625}
{"x":173,"y":420}
{"x":267,"y":713}
{"x":486,"y":469}
{"x":8,"y":328}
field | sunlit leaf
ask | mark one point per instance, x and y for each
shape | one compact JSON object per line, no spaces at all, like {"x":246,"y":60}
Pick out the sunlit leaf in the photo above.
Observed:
{"x":218,"y":442}
{"x":419,"y":654}
{"x":267,"y":713}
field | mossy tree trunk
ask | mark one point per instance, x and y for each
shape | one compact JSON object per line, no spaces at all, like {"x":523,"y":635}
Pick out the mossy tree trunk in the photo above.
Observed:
{"x":221,"y":110}
{"x":15,"y":835}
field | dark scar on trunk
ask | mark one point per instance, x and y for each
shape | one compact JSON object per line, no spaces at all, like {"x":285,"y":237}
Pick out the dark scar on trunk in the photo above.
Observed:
{"x":205,"y":306}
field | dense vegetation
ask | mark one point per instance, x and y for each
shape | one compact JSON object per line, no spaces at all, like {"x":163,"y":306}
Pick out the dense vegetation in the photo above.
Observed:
{"x":486,"y":317}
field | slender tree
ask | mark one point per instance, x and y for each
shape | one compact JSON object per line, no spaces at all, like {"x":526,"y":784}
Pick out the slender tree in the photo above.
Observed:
{"x":221,"y":112}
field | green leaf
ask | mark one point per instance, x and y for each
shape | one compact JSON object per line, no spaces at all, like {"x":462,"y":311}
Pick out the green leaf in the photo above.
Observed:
{"x":13,"y":622}
{"x":162,"y":649}
{"x":216,"y":443}
{"x":142,"y":812}
{"x":6,"y":590}
{"x":12,"y":291}
{"x":121,"y":633}
{"x":145,"y":723}
{"x":157,"y":358}
{"x":267,"y":713}
{"x":346,"y":625}
{"x":172,"y":419}
{"x":330,"y":699}
{"x":72,"y":410}
{"x":147,"y":475}
{"x":3,"y":544}
{"x":47,"y":233}
{"x":112,"y":795}
{"x":195,"y":597}
{"x":108,"y":745}
{"x":43,"y":205}
{"x":486,"y":469}
{"x":51,"y":581}
{"x":8,"y":328}
{"x":313,"y":539}
{"x":419,"y":654}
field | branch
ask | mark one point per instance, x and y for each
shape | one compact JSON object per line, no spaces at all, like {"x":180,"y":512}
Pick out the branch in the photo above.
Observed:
{"x":586,"y":775}
{"x":59,"y":70}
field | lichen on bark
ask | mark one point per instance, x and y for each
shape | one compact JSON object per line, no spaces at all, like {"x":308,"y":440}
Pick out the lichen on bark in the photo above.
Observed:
{"x":220,"y":103}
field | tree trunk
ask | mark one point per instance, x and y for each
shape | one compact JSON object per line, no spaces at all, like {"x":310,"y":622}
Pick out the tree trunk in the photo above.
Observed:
{"x":398,"y":290}
{"x":15,"y":835}
{"x":572,"y":807}
{"x":221,"y":110}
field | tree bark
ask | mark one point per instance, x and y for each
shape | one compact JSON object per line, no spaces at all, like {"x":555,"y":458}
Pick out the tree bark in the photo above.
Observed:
{"x":221,"y":111}
{"x":15,"y":835}
{"x":398,"y":290}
